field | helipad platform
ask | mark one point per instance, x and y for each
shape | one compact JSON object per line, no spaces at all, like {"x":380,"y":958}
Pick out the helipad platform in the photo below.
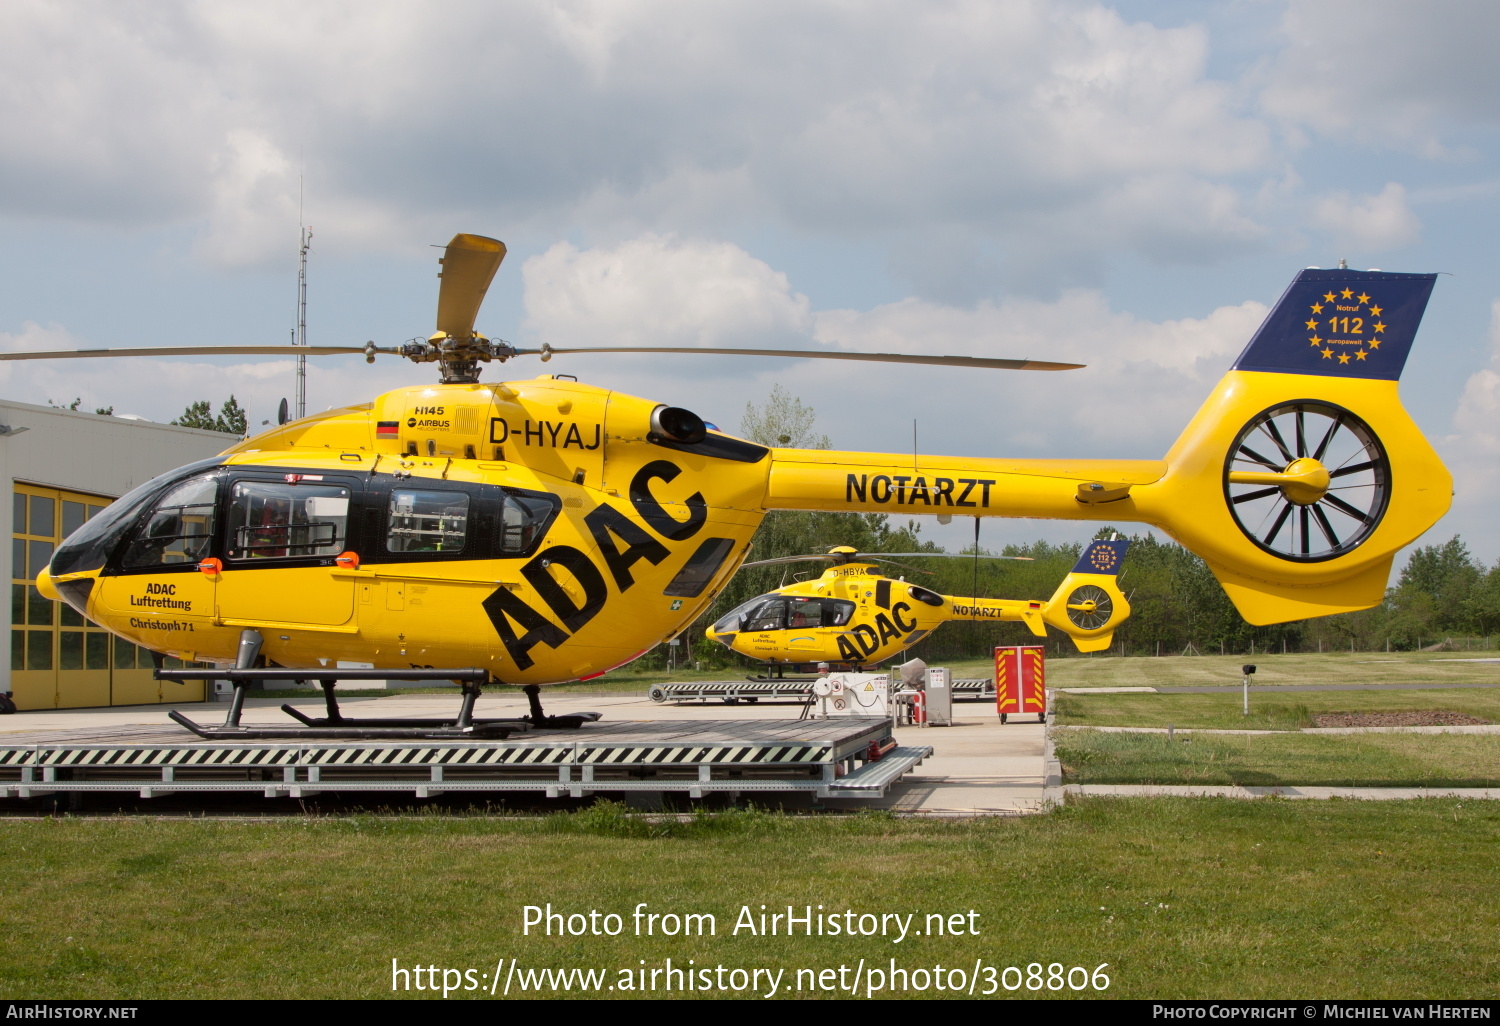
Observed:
{"x":844,"y":757}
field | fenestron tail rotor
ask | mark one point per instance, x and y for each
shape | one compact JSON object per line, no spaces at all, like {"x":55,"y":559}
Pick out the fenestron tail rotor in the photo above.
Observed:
{"x":1090,"y":607}
{"x":1307,"y":481}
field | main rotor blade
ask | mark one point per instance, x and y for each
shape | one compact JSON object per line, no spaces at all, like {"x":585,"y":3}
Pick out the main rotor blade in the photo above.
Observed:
{"x":75,"y":354}
{"x":819,"y":354}
{"x":824,"y":557}
{"x":469,"y":265}
{"x":856,"y":557}
{"x":940,"y":555}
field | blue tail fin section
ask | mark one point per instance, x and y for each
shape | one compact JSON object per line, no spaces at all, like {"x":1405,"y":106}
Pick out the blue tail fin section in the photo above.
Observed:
{"x":1102,"y":557}
{"x":1341,"y":323}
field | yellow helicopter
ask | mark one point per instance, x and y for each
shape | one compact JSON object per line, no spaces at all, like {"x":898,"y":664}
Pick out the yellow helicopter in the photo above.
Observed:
{"x":854,"y":615}
{"x":546,"y":530}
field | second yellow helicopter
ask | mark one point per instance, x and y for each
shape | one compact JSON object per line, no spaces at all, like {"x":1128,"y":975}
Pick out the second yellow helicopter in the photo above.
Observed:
{"x":855,"y":616}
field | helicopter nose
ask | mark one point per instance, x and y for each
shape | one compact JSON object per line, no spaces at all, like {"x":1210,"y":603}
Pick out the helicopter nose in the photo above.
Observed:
{"x":46,"y":587}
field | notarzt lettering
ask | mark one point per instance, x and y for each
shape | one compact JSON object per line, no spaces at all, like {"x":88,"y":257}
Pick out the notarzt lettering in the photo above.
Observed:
{"x":913,"y":490}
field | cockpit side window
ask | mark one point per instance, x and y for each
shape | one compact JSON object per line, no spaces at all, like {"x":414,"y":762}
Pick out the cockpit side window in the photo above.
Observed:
{"x":778,"y":612}
{"x":770,"y":615}
{"x":180,"y":527}
{"x":734,"y":620}
{"x":524,"y":520}
{"x":283,"y":520}
{"x":91,"y":546}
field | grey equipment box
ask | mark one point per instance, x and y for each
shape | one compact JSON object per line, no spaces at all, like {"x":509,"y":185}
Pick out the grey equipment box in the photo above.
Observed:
{"x":939,"y":697}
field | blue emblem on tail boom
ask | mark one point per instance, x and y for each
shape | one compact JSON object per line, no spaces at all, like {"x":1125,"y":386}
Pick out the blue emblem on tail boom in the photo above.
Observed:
{"x":1341,"y":323}
{"x":1102,"y":557}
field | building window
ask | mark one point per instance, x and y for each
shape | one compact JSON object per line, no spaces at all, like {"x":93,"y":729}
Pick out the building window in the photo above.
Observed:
{"x":59,"y":659}
{"x":47,"y":637}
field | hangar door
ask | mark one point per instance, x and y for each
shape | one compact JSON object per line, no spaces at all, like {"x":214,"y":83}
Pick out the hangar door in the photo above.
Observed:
{"x":58,"y":659}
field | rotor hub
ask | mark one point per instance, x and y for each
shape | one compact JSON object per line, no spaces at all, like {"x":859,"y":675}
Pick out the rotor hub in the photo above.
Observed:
{"x":458,"y":359}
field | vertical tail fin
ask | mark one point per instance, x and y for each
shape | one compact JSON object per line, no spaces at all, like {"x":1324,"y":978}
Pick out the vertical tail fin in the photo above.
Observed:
{"x":1342,"y":324}
{"x":1301,"y":476}
{"x":1088,"y":605}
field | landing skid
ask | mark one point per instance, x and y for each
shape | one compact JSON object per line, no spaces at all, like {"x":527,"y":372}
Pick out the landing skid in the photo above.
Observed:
{"x":336,"y":726}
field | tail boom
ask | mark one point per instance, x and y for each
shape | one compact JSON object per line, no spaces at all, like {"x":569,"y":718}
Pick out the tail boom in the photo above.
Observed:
{"x":890,"y":483}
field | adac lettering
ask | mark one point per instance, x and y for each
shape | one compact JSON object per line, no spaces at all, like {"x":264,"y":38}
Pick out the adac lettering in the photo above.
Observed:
{"x":550,"y":434}
{"x":888,"y":627}
{"x":915,"y":490}
{"x":622,"y":543}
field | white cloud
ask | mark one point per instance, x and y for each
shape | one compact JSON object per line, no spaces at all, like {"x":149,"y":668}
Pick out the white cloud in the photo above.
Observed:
{"x":658,"y":290}
{"x":1142,"y":383}
{"x":1022,"y":121}
{"x":1374,"y":223}
{"x":1387,"y":72}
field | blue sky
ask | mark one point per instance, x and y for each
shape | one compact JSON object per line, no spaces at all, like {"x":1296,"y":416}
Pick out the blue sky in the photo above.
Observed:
{"x":1124,"y":185}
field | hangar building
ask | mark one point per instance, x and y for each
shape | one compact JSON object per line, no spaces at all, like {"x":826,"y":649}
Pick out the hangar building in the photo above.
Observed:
{"x":63,"y":467}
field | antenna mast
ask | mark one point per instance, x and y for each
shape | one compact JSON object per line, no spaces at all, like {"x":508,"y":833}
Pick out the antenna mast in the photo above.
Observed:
{"x":301,"y":339}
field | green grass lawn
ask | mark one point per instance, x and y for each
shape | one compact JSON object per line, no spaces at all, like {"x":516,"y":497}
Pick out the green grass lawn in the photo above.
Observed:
{"x":1183,"y":898}
{"x":1285,"y":710}
{"x":1328,"y":668}
{"x":1330,"y":760}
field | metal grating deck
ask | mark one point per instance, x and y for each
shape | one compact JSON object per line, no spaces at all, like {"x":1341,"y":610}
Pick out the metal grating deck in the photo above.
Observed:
{"x":696,"y":757}
{"x":734,"y":691}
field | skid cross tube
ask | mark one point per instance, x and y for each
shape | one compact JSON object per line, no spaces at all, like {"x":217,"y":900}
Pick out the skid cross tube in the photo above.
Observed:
{"x":334,"y":724}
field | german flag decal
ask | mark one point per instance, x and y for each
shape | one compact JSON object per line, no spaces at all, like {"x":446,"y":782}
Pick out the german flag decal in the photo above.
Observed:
{"x":387,"y":428}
